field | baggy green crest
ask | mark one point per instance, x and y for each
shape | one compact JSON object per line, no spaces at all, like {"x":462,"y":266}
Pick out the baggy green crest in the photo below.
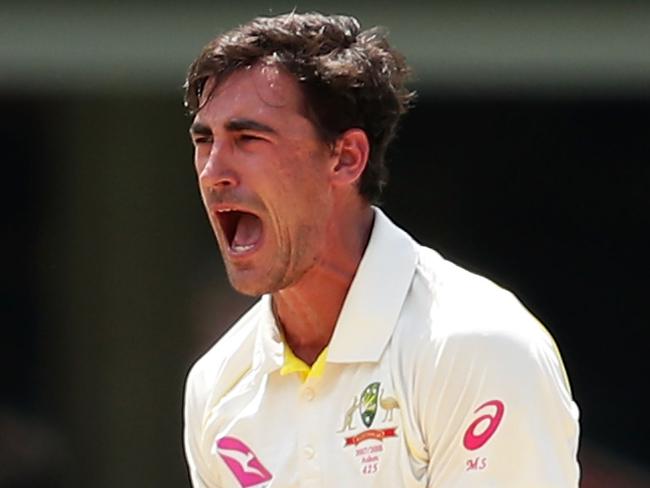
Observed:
{"x":368,"y":404}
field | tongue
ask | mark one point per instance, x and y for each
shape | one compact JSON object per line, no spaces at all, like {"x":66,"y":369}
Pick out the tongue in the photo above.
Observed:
{"x":249,"y":230}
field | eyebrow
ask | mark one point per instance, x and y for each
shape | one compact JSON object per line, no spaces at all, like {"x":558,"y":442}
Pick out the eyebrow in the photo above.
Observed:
{"x":200,"y":129}
{"x":233,"y":125}
{"x":248,"y":124}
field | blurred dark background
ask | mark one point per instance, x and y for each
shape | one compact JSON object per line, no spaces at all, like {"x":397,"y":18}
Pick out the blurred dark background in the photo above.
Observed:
{"x":526,"y":159}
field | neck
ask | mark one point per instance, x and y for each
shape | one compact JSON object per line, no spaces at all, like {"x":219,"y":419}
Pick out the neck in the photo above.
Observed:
{"x":308,"y":310}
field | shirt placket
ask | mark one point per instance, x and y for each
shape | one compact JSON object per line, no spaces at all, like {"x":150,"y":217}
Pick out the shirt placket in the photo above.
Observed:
{"x":310,"y":455}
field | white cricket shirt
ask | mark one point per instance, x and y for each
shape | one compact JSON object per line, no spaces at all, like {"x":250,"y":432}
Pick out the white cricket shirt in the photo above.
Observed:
{"x":434,"y":377}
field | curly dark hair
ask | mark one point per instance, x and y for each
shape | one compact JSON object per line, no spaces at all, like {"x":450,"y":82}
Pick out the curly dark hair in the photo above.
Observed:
{"x":350,"y":78}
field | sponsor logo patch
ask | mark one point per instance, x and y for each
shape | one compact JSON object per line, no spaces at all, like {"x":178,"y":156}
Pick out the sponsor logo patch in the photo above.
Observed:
{"x":481,"y":430}
{"x":474,"y":437}
{"x":242,"y":462}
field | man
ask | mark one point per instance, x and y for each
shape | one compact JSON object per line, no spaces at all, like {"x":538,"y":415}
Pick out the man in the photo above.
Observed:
{"x":369,"y":360}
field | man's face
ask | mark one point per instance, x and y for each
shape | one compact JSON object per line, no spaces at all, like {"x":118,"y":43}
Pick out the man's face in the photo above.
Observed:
{"x":263,"y":176}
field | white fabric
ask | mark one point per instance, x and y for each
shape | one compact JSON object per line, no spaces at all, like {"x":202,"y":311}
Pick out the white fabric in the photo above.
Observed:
{"x":446,"y":346}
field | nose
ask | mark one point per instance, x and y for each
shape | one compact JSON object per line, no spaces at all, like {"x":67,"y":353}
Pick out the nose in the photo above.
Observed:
{"x":218,"y":170}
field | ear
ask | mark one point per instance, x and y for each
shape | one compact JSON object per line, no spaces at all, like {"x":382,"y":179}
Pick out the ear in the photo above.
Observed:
{"x":351,"y":157}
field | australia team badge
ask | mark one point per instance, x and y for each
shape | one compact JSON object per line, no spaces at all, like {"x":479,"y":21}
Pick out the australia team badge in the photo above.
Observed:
{"x":368,"y":444}
{"x":368,"y":405}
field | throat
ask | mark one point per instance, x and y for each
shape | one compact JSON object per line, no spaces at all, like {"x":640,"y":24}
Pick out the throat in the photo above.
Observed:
{"x":308,"y":354}
{"x":307,"y":324}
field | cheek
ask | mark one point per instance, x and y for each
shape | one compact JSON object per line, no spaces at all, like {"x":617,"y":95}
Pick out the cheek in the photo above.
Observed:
{"x":200,"y":158}
{"x":313,"y":166}
{"x":298,"y":181}
{"x":309,"y":190}
{"x":297,"y":200}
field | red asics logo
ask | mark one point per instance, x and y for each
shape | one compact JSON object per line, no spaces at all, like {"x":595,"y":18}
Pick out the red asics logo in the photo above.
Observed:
{"x":242,"y":462}
{"x":472,"y":440}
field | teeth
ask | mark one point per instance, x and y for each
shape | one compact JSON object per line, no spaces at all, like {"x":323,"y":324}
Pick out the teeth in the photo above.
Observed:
{"x":242,"y":248}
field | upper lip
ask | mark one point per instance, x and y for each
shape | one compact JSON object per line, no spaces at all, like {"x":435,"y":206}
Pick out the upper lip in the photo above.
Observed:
{"x":229,"y":207}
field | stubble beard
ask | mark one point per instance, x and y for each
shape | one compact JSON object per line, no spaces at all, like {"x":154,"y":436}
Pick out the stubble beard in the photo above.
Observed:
{"x":287,"y":266}
{"x":254,"y":280}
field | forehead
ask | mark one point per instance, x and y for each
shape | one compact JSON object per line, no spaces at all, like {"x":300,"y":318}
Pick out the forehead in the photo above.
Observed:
{"x":261,"y":90}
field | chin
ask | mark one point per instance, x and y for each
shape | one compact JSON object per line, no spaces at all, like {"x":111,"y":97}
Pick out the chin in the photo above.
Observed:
{"x":246,"y":287}
{"x":256,"y":283}
{"x":248,"y":283}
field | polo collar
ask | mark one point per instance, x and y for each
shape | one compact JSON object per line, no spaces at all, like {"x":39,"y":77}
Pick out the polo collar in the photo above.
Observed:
{"x":376,"y":295}
{"x":371,"y":307}
{"x":268,"y":353}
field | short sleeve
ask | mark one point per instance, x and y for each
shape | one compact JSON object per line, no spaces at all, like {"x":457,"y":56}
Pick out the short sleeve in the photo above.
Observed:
{"x":499,"y":412}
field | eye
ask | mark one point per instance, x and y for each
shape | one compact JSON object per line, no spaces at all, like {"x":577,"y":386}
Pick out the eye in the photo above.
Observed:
{"x":246,"y":139}
{"x":249,"y":137}
{"x":202,"y":140}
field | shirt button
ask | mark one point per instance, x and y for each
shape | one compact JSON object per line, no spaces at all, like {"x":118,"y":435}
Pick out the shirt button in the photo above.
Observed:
{"x":309,"y":452}
{"x":308,"y":394}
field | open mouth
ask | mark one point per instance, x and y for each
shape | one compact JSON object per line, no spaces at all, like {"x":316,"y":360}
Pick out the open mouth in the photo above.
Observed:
{"x":242,"y":230}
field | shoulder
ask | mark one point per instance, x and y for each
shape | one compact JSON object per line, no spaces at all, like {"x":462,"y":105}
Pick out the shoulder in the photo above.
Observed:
{"x":470,"y":352}
{"x":221,"y":367}
{"x":452,"y":313}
